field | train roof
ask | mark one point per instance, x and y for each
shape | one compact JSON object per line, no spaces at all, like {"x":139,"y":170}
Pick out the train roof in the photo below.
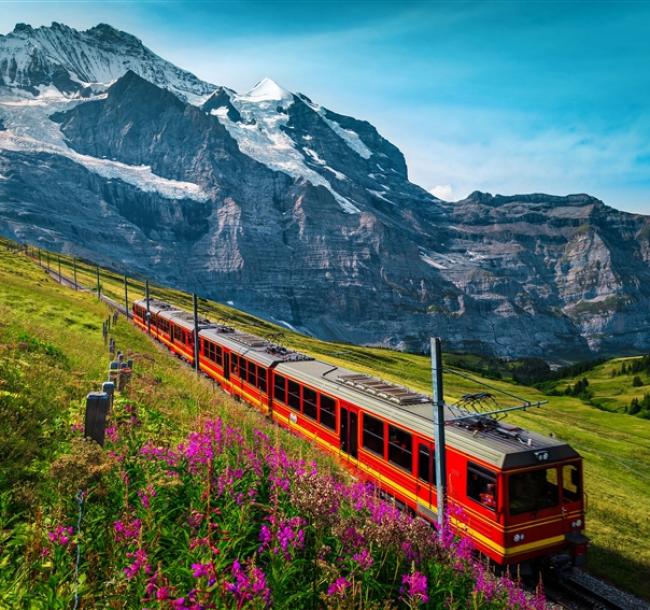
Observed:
{"x":257,"y":349}
{"x":494,"y":442}
{"x":156,"y":306}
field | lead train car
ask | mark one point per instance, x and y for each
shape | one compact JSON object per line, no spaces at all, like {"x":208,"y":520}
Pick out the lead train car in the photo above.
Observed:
{"x":518,"y":495}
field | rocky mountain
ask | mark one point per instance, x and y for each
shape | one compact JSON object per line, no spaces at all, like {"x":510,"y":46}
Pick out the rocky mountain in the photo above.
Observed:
{"x":296,"y":213}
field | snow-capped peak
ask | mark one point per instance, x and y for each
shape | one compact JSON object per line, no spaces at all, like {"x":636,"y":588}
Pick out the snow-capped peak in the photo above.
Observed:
{"x":73,"y":60}
{"x":266,"y":90}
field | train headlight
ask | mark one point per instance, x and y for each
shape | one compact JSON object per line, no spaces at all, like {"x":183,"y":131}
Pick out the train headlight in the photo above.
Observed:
{"x":518,"y":537}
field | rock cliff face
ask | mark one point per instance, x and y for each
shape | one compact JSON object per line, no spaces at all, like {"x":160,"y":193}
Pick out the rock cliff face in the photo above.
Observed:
{"x":296,"y":213}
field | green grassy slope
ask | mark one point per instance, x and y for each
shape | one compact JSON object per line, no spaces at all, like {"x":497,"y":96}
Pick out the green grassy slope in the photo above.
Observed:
{"x":609,"y":389}
{"x":616,"y":447}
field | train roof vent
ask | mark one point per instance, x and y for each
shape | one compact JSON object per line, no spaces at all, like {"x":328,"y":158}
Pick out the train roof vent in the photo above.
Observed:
{"x":222,"y":328}
{"x":188,"y":317}
{"x":251,"y":340}
{"x":161,"y":304}
{"x":382,"y":389}
{"x":287,"y":355}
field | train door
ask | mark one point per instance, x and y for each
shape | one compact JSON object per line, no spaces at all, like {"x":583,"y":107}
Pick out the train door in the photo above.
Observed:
{"x":226,"y":365}
{"x":349,"y":426}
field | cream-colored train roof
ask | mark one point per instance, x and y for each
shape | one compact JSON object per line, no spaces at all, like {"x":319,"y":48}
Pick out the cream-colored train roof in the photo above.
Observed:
{"x":503,"y":446}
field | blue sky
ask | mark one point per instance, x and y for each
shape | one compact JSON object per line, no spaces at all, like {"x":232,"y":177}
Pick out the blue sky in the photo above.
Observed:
{"x":506,"y":97}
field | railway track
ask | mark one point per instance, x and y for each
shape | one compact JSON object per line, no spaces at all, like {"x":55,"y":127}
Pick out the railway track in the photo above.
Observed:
{"x":581,"y":591}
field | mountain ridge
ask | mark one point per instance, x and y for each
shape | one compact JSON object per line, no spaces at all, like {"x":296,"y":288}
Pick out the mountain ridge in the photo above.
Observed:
{"x":298,"y":213}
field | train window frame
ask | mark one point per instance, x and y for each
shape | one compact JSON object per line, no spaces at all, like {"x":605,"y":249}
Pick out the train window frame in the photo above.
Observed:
{"x":310,"y":406}
{"x":398,"y":454}
{"x":234,"y":365}
{"x":326,"y":421}
{"x":373,"y":435}
{"x":251,"y":373}
{"x":261,"y":379}
{"x":430,"y":462}
{"x":569,"y":495}
{"x":283,"y":399}
{"x":478,"y":489}
{"x":526,"y":494}
{"x":295,"y":403}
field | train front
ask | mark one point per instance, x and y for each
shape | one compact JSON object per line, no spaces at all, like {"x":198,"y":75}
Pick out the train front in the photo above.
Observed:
{"x":543,"y":504}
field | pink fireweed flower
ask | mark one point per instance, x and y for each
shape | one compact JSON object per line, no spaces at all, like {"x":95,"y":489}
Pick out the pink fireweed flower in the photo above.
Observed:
{"x":145,"y":496}
{"x":60,"y":535}
{"x":139,"y":564}
{"x":248,"y":585}
{"x":338,"y":587}
{"x":364,"y":559}
{"x":199,"y":570}
{"x":111,"y":434}
{"x":127,"y":531}
{"x":415,"y":587}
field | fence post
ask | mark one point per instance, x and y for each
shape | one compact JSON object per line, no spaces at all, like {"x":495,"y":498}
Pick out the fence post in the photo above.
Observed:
{"x":97,"y":406}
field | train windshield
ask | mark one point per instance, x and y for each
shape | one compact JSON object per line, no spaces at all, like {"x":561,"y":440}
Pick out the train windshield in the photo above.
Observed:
{"x":533,"y":490}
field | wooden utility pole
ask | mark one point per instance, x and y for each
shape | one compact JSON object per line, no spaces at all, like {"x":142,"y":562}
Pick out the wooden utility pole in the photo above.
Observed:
{"x":195,"y":304}
{"x":439,"y":430}
{"x":99,"y":288}
{"x":59,"y":260}
{"x":74,"y":271}
{"x":146,"y":298}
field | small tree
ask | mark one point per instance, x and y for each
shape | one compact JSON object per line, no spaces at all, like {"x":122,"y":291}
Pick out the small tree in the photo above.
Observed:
{"x":637,"y":382}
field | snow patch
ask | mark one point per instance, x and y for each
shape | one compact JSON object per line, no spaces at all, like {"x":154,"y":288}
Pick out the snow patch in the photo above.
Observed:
{"x":266,"y":90}
{"x":289,"y":326}
{"x":432,"y":262}
{"x":314,"y":155}
{"x":29,"y":129}
{"x":221,"y":111}
{"x":351,"y":138}
{"x":260,"y":135}
{"x":380,"y":195}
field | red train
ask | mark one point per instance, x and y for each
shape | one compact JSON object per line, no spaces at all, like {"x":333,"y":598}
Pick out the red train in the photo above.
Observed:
{"x":518,"y":495}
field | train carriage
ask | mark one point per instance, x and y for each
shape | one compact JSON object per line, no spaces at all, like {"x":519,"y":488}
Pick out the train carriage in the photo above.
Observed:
{"x":517,"y":494}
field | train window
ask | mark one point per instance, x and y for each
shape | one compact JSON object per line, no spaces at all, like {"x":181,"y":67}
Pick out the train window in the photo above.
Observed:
{"x":309,"y":408}
{"x":482,"y":485}
{"x":252,"y":373}
{"x":218,"y":355}
{"x":211,"y":351}
{"x":533,"y":490}
{"x":400,"y":448}
{"x":570,"y":483}
{"x":261,"y":379}
{"x":426,"y":465}
{"x":234,"y":365}
{"x":373,"y":434}
{"x":279,"y":390}
{"x":327,"y":412}
{"x":293,"y":395}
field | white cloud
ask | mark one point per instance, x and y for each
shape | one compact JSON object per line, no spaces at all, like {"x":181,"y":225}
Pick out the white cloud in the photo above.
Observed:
{"x":442,"y":191}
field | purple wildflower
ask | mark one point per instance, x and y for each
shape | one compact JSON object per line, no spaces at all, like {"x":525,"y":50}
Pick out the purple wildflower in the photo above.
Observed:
{"x":338,"y":587}
{"x":415,"y":587}
{"x":60,"y":535}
